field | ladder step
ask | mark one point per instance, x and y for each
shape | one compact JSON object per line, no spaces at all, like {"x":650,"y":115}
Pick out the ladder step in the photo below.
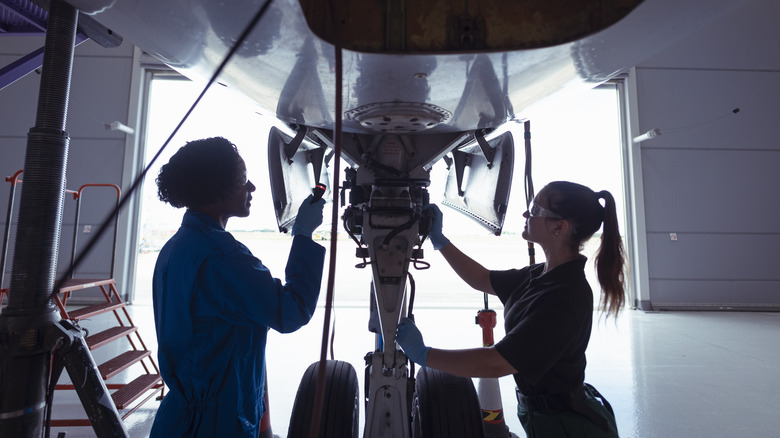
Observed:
{"x":99,"y":339}
{"x":142,"y":388}
{"x":72,"y":284}
{"x":122,"y":362}
{"x":129,"y":393}
{"x":96,"y":309}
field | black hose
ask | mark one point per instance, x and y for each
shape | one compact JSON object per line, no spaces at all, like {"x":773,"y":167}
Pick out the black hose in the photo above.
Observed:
{"x":529,"y":183}
{"x":319,"y":396}
{"x":405,"y":226}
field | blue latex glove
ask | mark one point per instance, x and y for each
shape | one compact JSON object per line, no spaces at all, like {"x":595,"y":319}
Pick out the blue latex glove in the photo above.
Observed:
{"x":435,"y":234}
{"x":410,"y":339}
{"x":309,"y":217}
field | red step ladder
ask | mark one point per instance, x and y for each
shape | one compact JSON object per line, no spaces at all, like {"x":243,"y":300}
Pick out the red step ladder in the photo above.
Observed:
{"x":135,"y":363}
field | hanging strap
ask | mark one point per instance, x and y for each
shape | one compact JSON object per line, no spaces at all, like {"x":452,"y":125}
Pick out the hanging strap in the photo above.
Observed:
{"x":579,"y":396}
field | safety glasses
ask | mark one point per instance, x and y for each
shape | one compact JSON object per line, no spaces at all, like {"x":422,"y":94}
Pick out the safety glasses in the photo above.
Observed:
{"x":535,"y":210}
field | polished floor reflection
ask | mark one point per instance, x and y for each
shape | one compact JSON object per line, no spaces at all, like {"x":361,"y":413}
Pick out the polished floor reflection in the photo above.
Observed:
{"x":686,"y":374}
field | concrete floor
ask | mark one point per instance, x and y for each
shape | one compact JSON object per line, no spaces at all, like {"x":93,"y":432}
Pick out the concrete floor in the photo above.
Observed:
{"x":666,"y":374}
{"x":680,"y":374}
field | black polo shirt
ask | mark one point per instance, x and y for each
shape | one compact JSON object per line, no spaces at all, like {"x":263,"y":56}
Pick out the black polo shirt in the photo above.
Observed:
{"x":548,"y":320}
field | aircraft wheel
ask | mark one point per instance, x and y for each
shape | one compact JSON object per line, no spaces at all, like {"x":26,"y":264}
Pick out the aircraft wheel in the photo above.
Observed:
{"x":340,"y":416}
{"x":445,"y":406}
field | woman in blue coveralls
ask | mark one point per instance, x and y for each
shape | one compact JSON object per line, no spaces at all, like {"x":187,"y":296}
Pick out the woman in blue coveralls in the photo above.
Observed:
{"x":214,"y":301}
{"x":548,"y":313}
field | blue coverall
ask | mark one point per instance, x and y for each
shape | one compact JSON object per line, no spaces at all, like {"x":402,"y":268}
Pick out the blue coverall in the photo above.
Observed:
{"x":213,"y":305}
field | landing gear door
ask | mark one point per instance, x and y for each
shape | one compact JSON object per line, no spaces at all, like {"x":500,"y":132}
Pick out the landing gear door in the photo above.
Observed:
{"x":480,"y":178}
{"x":295,"y":166}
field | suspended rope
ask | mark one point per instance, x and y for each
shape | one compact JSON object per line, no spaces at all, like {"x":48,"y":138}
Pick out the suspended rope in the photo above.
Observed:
{"x":319,"y":395}
{"x":529,"y":183}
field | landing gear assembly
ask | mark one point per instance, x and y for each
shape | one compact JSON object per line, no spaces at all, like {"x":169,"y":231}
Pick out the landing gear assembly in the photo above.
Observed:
{"x":386,"y":187}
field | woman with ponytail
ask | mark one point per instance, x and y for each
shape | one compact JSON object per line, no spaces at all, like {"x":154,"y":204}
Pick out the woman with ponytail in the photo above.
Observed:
{"x":548,"y":313}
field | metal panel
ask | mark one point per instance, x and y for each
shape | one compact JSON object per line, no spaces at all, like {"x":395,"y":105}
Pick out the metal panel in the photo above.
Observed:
{"x":479,"y":185}
{"x":292,"y":176}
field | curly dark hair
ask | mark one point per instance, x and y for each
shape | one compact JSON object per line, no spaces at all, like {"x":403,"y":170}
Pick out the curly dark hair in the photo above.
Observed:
{"x":200,"y":173}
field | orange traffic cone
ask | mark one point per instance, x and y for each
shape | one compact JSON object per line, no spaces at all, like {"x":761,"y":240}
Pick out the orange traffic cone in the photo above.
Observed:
{"x":488,"y":390}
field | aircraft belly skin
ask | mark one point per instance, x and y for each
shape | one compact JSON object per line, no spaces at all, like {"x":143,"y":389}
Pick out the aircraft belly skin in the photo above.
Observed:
{"x":289,"y":70}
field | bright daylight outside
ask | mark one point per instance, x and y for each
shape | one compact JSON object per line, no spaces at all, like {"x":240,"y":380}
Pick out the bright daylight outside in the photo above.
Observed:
{"x":576,"y":139}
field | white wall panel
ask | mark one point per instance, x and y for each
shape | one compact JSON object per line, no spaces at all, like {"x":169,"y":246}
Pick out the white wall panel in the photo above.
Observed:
{"x":739,"y":41}
{"x":20,"y":45}
{"x":711,"y":191}
{"x":713,"y":176}
{"x":94,"y":161}
{"x":12,"y":151}
{"x":714,"y":257}
{"x":714,"y":295}
{"x":694,"y":108}
{"x":99,"y":93}
{"x":18,"y":102}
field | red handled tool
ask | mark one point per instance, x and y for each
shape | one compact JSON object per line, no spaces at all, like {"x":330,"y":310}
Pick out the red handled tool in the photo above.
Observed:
{"x":318,"y":191}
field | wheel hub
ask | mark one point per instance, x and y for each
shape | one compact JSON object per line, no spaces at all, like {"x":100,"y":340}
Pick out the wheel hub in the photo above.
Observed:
{"x":399,"y":117}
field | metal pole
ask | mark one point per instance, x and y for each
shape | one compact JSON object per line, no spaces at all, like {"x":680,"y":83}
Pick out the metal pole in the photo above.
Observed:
{"x":30,"y":312}
{"x":31,"y":331}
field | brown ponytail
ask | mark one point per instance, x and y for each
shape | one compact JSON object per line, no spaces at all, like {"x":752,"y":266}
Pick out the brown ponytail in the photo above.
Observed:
{"x":610,"y":260}
{"x":581,"y":207}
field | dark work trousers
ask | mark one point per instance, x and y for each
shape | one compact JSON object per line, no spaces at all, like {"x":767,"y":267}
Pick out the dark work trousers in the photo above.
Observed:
{"x":539,"y":422}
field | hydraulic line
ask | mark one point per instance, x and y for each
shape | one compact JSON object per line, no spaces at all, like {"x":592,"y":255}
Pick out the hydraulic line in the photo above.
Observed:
{"x":319,"y":395}
{"x":529,"y":182}
{"x":405,"y":226}
{"x":410,"y":314}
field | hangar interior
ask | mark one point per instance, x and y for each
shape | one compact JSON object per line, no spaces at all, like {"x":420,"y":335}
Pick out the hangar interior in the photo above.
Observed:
{"x":694,"y":355}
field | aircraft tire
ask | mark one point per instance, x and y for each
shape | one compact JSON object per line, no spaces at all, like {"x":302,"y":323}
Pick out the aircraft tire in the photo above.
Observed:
{"x":340,"y":417}
{"x":445,"y":406}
